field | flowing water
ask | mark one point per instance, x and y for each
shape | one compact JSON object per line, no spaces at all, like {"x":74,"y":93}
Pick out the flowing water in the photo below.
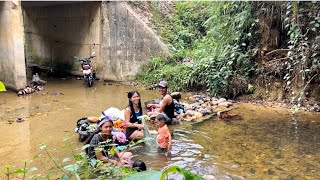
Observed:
{"x":268,"y":143}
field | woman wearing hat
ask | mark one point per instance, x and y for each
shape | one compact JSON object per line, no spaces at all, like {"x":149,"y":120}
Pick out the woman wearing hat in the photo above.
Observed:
{"x":102,"y":142}
{"x":166,"y":106}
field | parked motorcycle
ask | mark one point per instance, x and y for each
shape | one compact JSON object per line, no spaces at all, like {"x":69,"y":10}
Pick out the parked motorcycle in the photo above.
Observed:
{"x":88,"y":75}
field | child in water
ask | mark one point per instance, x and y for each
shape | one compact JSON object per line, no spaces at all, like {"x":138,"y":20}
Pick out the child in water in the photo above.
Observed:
{"x":139,"y":166}
{"x":163,"y":134}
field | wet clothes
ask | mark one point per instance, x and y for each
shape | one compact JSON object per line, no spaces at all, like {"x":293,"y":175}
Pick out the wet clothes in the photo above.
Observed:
{"x":133,"y":120}
{"x":163,"y":137}
{"x":169,"y":109}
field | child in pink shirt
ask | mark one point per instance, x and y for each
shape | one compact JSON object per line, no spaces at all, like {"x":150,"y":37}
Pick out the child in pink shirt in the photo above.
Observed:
{"x":164,"y":135}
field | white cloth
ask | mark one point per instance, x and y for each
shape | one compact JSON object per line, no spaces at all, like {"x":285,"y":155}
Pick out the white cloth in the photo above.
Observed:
{"x":115,"y":112}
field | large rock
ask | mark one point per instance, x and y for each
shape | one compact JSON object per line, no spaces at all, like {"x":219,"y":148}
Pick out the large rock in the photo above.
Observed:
{"x":225,"y":104}
{"x":209,"y":177}
{"x":215,"y":102}
{"x":192,"y":106}
{"x":221,"y":100}
{"x":176,"y":95}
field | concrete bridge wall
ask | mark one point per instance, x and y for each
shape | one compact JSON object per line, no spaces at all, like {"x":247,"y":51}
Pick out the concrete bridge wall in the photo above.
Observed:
{"x":126,"y":41}
{"x":12,"y":61}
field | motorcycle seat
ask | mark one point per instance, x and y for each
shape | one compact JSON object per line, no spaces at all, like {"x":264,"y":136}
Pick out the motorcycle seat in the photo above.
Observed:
{"x":86,"y":67}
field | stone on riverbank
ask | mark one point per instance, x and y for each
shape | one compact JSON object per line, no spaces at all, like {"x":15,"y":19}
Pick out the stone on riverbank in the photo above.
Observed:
{"x":205,"y":107}
{"x":176,"y":95}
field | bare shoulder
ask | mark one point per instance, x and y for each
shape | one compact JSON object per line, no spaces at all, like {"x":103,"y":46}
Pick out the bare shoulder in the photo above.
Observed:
{"x":127,"y":109}
{"x":167,"y":97}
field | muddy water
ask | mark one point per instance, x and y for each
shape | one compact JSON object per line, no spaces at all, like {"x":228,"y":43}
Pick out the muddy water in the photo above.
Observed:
{"x":268,"y":143}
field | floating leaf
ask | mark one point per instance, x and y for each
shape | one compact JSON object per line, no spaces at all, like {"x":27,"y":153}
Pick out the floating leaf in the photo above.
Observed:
{"x":71,"y":167}
{"x":36,"y":156}
{"x":42,"y":147}
{"x":65,"y":160}
{"x":32,"y":169}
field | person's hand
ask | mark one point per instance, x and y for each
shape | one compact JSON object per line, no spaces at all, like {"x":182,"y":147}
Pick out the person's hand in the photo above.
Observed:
{"x":140,"y":126}
{"x":126,"y":162}
{"x":149,"y":113}
{"x":120,"y":164}
{"x":153,"y":132}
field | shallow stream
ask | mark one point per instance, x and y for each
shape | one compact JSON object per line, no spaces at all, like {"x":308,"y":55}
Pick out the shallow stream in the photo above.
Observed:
{"x":268,"y":143}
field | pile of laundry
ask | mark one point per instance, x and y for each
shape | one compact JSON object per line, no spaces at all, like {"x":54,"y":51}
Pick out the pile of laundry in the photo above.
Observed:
{"x":36,"y":84}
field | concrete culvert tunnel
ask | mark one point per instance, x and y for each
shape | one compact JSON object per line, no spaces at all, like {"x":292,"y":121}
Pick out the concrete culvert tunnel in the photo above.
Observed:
{"x":55,"y":32}
{"x":47,"y":35}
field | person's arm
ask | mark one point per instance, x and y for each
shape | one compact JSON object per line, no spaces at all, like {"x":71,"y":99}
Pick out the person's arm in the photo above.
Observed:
{"x":122,"y":159}
{"x":165,"y":101}
{"x":127,"y":114}
{"x":105,"y":159}
{"x":154,"y":105}
{"x":161,"y":106}
{"x":170,"y":141}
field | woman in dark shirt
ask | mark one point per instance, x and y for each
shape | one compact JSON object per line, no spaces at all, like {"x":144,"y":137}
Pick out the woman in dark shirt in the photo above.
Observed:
{"x":134,"y":110}
{"x":101,"y":142}
{"x":167,"y":105}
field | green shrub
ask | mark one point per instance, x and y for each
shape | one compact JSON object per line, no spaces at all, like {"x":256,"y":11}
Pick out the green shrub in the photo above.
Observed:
{"x":216,"y":37}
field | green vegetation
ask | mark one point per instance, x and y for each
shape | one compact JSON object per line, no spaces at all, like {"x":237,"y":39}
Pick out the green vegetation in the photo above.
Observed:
{"x":302,"y":22}
{"x":78,"y":166}
{"x":222,"y":46}
{"x":211,"y":43}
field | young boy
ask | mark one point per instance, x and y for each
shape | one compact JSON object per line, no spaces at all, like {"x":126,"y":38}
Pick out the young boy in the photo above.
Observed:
{"x":163,"y":134}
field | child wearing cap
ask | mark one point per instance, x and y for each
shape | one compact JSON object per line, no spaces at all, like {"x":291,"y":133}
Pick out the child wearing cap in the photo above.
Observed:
{"x":163,"y":133}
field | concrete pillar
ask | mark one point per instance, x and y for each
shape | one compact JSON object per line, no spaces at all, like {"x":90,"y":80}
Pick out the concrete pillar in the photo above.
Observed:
{"x":12,"y":58}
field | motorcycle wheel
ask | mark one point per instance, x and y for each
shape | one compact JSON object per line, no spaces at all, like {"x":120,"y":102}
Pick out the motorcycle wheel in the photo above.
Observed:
{"x":90,"y":80}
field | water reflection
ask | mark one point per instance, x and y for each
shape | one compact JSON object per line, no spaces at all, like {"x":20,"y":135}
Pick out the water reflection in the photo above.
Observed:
{"x":267,"y":144}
